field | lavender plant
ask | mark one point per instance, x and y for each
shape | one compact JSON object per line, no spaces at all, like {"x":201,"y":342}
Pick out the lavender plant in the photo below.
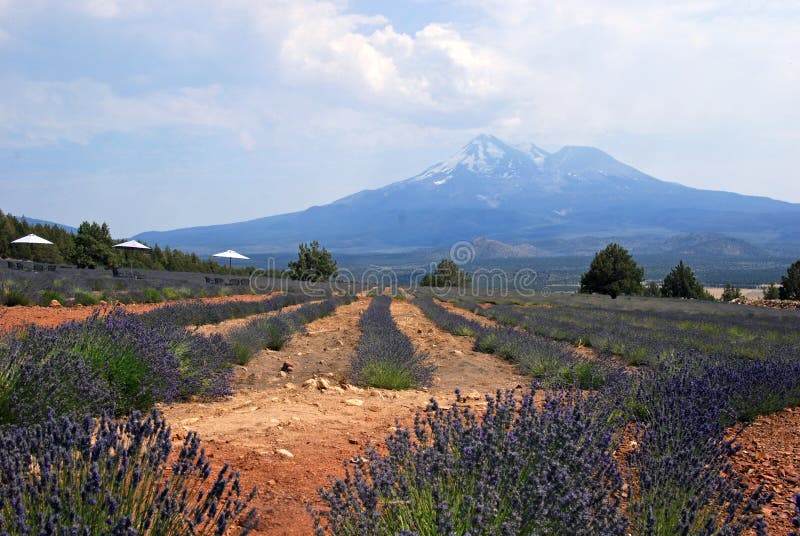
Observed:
{"x":646,"y":336}
{"x":131,"y":364}
{"x":195,"y":313}
{"x":205,"y":364}
{"x":385,"y":357}
{"x":681,"y":470}
{"x":274,"y":331}
{"x":536,"y":356}
{"x":100,"y":476}
{"x":515,"y":469}
{"x":446,"y":320}
{"x":112,"y":363}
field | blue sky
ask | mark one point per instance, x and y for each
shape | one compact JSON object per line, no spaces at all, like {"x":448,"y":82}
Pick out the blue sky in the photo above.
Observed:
{"x":156,"y":115}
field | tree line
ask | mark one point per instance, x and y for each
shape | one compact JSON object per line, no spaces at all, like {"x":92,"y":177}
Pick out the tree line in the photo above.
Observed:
{"x":614,"y":272}
{"x":92,"y":247}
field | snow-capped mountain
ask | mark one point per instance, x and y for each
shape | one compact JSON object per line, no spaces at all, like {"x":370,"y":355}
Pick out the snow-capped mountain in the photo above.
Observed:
{"x":519,"y":194}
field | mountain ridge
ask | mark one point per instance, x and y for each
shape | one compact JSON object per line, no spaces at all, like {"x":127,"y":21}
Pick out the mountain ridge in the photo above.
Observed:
{"x":510,"y":194}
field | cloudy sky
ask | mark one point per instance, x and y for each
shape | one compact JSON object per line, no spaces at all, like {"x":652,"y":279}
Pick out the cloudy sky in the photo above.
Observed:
{"x":156,"y":115}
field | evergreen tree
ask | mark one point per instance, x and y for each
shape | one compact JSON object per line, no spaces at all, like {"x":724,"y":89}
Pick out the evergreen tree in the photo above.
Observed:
{"x":682,"y":283}
{"x":613,"y":271}
{"x":93,"y":246}
{"x":790,"y":283}
{"x":313,"y":263}
{"x":446,"y":274}
{"x":772,"y":292}
{"x":731,"y":293}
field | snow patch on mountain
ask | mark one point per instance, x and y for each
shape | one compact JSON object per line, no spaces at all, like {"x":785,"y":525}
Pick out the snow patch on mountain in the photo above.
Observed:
{"x":537,"y":154}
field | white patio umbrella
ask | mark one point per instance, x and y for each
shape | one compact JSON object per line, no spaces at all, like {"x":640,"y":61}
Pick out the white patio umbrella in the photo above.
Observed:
{"x":31,"y":239}
{"x":131,"y":245}
{"x":230,"y":255}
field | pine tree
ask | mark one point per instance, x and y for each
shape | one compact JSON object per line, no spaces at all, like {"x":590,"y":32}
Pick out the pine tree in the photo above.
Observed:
{"x":613,"y":272}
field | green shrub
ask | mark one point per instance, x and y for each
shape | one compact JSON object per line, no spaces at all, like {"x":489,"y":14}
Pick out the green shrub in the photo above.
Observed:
{"x":731,"y":293}
{"x":487,"y":344}
{"x":50,"y":295}
{"x":541,"y":366}
{"x":12,"y":297}
{"x":152,"y":295}
{"x":121,"y":367}
{"x":385,"y":374}
{"x":84,"y":298}
{"x":636,"y":356}
{"x":464,"y":331}
{"x":243,"y":354}
{"x":170,"y":294}
{"x":584,"y":375}
{"x":276,"y":335}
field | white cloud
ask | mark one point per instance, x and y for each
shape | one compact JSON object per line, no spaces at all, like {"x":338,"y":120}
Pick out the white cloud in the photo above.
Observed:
{"x":110,"y":9}
{"x":365,"y":56}
{"x":40,"y":113}
{"x":247,"y":141}
{"x":294,"y":71}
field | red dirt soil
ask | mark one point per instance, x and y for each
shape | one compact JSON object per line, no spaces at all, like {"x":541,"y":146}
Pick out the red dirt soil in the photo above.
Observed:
{"x":770,"y":455}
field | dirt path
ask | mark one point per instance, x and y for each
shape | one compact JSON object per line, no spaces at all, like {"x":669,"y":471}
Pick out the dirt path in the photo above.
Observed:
{"x":16,"y":317}
{"x":287,"y":438}
{"x":459,"y":366}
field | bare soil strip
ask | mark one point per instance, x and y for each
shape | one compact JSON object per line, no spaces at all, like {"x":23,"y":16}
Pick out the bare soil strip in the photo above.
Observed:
{"x":459,"y":366}
{"x":770,"y":455}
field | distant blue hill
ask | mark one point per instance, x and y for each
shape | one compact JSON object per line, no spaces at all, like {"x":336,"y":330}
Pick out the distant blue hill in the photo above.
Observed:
{"x":34,"y":221}
{"x":515,"y":195}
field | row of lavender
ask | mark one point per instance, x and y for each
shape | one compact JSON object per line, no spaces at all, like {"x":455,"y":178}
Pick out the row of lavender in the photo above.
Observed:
{"x":644,"y":458}
{"x":63,"y":474}
{"x":646,"y":336}
{"x":642,"y":454}
{"x":122,"y":362}
{"x":385,"y":357}
{"x":197,"y":313}
{"x":536,"y":356}
{"x":274,"y":331}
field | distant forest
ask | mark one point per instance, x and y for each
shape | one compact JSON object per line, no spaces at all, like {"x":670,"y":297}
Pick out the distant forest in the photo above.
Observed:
{"x":91,"y":247}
